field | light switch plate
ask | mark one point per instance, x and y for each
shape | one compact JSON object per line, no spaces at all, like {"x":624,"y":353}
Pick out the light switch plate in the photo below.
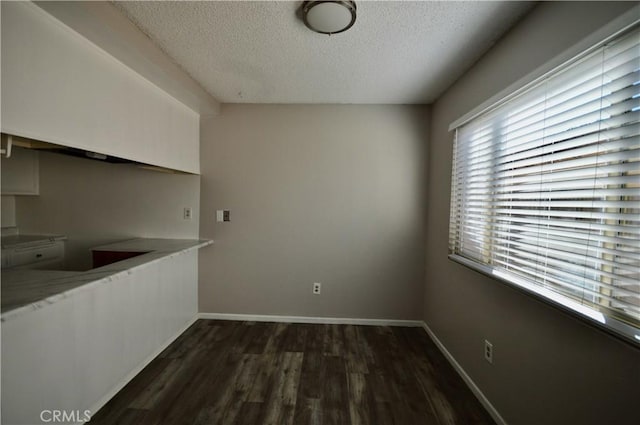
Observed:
{"x":223,"y":215}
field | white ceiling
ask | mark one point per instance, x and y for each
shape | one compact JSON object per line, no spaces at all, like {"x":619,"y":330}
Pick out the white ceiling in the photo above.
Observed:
{"x":401,"y":52}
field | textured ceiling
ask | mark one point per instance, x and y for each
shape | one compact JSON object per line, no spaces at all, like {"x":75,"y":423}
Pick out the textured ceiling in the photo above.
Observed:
{"x":260,"y":52}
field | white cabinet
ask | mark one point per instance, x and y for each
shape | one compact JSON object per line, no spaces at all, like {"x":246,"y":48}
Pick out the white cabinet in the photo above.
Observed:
{"x":20,"y":172}
{"x":76,"y":353}
{"x":59,"y":87}
{"x":38,"y":256}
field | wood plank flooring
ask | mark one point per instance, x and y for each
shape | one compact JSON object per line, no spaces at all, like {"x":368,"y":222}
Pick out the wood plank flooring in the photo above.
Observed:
{"x":256,"y":373}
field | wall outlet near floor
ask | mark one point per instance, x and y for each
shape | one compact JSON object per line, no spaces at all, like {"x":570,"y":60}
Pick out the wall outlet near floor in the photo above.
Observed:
{"x":316,"y":288}
{"x":488,"y":351}
{"x":187,"y":214}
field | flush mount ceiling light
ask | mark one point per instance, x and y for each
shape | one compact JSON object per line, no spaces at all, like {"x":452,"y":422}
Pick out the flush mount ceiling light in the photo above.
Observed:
{"x":329,"y":16}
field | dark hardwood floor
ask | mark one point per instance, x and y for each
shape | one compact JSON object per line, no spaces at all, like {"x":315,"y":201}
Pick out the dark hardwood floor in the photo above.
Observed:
{"x":222,"y":372}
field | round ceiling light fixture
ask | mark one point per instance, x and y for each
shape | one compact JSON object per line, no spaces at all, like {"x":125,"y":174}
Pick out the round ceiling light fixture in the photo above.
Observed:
{"x":329,"y":16}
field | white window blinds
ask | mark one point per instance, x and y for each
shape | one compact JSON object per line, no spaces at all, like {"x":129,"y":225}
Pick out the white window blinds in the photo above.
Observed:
{"x":546,"y":187}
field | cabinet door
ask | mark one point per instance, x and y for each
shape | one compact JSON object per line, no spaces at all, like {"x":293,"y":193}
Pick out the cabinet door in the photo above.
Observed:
{"x":37,"y":256}
{"x":20,"y":172}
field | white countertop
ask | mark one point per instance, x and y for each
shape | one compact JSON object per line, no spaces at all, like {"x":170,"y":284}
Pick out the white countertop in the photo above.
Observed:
{"x":157,"y":245}
{"x":26,"y":290}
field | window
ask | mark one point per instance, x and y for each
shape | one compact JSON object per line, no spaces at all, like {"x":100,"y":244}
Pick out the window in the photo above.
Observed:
{"x":545,"y":191}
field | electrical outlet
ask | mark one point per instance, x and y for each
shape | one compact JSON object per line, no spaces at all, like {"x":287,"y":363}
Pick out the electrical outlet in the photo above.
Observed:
{"x":488,"y":351}
{"x":316,"y":288}
{"x":187,"y":213}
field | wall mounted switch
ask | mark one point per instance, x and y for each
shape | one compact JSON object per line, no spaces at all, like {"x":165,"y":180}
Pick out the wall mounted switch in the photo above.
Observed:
{"x":223,"y":215}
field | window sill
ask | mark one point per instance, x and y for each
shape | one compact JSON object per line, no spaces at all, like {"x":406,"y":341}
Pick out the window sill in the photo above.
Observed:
{"x":610,"y":325}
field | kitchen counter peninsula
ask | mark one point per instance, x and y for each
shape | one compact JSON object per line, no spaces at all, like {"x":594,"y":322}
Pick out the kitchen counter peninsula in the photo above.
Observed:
{"x":25,"y":290}
{"x":73,"y":339}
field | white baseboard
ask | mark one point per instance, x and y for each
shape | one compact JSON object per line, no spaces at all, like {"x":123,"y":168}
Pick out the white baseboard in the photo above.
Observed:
{"x":305,"y":319}
{"x":466,"y":378}
{"x":100,"y":403}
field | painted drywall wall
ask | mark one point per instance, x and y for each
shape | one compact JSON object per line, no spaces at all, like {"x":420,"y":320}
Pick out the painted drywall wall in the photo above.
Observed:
{"x":317,"y":193}
{"x":549,"y":368}
{"x":93,"y":203}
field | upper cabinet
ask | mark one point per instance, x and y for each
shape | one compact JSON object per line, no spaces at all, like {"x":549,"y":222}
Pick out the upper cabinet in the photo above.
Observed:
{"x":59,"y":87}
{"x":20,"y":172}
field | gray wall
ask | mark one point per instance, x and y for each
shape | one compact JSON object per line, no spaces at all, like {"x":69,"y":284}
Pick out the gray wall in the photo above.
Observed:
{"x":94,"y":203}
{"x":325,"y":193}
{"x":549,"y":368}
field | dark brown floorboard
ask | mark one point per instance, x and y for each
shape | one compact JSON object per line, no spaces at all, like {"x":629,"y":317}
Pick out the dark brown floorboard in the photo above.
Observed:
{"x":248,"y":373}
